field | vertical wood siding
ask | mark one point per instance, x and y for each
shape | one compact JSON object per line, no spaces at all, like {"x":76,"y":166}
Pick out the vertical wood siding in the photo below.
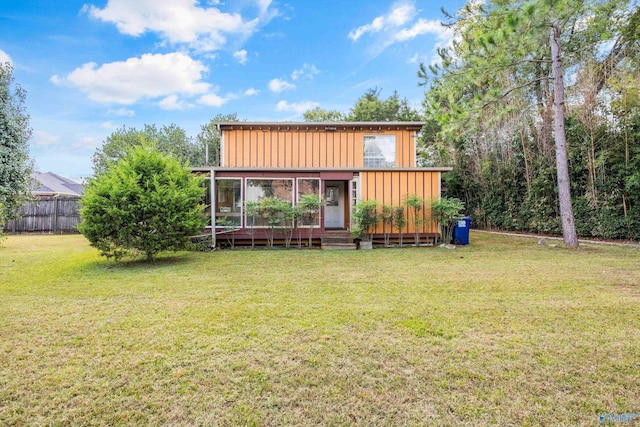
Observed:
{"x":307,"y":148}
{"x":391,"y":187}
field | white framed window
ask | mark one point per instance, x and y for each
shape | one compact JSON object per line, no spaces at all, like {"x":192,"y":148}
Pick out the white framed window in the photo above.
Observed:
{"x":228,"y":202}
{"x":309,"y":186}
{"x":379,"y":151}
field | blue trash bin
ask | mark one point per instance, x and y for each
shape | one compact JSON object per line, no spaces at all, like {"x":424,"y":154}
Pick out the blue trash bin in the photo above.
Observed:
{"x":461,"y":231}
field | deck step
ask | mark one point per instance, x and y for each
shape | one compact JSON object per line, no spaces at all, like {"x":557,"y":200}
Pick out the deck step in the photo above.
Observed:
{"x":332,"y":239}
{"x":338,"y":241}
{"x":338,"y":246}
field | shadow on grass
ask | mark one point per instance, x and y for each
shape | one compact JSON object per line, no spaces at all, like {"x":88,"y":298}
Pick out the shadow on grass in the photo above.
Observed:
{"x":141,"y":263}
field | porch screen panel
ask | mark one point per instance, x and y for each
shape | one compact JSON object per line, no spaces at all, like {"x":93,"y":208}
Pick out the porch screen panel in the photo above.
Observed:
{"x":309,"y":186}
{"x":258,"y":189}
{"x":228,"y":202}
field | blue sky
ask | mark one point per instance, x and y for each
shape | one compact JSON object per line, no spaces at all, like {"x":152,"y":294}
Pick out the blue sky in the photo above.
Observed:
{"x":90,"y":67}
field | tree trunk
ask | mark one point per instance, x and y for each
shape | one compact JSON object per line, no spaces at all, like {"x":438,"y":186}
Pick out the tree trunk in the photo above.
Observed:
{"x":562,"y":166}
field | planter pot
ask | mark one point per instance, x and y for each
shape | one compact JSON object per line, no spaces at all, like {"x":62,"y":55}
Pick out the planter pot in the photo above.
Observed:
{"x":366,"y":245}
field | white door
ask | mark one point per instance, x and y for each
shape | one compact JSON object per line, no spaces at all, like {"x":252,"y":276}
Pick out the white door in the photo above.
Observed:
{"x":334,"y":205}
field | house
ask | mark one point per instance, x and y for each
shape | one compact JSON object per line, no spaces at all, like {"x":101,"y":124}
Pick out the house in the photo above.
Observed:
{"x":49,"y":184}
{"x":343,"y":162}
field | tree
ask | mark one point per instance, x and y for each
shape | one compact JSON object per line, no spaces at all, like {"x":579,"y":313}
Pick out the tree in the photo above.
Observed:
{"x":414,"y":204}
{"x":400,"y":220}
{"x":370,"y":108}
{"x":445,"y":211}
{"x":208,"y":140}
{"x":15,"y":164}
{"x":146,"y":202}
{"x":170,"y":139}
{"x":499,"y":87}
{"x":319,"y":115}
{"x":309,"y":205}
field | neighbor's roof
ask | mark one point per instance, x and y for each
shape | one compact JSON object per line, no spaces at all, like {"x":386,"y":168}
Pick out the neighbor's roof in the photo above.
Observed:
{"x":330,"y":126}
{"x":48,"y":183}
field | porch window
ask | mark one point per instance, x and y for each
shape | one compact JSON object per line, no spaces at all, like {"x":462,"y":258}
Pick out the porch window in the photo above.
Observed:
{"x":379,"y":151}
{"x":309,"y":186}
{"x":257,"y":189}
{"x":228,"y":202}
{"x":206,"y":183}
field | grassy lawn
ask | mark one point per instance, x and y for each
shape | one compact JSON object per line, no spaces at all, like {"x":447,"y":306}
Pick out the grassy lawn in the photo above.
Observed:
{"x":502,"y":332}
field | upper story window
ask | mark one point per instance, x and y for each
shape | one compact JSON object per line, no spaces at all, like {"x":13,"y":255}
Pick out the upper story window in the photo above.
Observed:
{"x":379,"y":151}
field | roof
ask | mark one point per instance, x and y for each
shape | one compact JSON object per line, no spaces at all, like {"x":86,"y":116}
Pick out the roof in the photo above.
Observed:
{"x":325,"y":126}
{"x":48,"y":183}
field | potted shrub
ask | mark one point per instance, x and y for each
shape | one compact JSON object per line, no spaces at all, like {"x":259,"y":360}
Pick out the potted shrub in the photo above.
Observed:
{"x":365,"y":221}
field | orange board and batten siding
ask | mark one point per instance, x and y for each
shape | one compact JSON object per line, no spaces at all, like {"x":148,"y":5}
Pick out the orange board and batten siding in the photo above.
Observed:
{"x":392,"y":187}
{"x":255,"y":145}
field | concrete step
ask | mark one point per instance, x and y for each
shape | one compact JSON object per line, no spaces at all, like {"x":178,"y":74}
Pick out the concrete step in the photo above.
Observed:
{"x":338,"y":246}
{"x":337,"y":239}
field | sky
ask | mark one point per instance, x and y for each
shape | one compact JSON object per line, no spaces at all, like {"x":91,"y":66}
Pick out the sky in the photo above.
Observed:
{"x":91,"y":67}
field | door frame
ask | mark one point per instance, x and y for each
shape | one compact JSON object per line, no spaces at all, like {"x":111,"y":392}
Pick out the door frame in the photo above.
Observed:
{"x":344,"y":201}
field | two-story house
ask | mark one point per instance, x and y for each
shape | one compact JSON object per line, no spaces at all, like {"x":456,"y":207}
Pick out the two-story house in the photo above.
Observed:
{"x":343,"y":162}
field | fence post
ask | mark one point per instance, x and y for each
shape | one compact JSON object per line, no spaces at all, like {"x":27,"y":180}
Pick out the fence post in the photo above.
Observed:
{"x":54,"y":226}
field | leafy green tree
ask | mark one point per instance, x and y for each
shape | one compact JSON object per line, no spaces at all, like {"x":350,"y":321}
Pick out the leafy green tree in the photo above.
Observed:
{"x":170,"y":139}
{"x":146,"y":202}
{"x":445,"y":211}
{"x":208,"y":140}
{"x":275,"y":212}
{"x":15,"y":164}
{"x":499,"y":92}
{"x":386,"y":216}
{"x":371,"y":108}
{"x":319,"y":115}
{"x":365,"y":218}
{"x":415,"y":204}
{"x":309,"y":205}
{"x":400,"y":220}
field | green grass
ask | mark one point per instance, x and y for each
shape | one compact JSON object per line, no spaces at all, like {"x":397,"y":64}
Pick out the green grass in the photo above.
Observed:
{"x":502,"y":332}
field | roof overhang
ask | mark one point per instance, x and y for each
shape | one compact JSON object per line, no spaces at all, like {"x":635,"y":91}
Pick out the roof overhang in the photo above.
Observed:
{"x":321,"y":126}
{"x":268,"y":169}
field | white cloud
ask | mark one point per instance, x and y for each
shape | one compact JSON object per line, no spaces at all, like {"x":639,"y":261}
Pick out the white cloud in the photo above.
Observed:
{"x":240,"y":56}
{"x":400,"y":14}
{"x":172,"y":103}
{"x":251,"y":92}
{"x":121,"y":112}
{"x":296,"y":107}
{"x":150,"y":76}
{"x":44,"y":139}
{"x":213,"y":100}
{"x":109,"y":125}
{"x":398,"y":25}
{"x":423,"y":26}
{"x":4,"y":57}
{"x":87,"y":141}
{"x":263,"y":5}
{"x":176,"y":21}
{"x":277,"y":85}
{"x":307,"y":71}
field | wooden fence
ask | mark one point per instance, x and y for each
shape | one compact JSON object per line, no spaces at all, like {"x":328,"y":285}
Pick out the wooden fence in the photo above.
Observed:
{"x":53,"y":215}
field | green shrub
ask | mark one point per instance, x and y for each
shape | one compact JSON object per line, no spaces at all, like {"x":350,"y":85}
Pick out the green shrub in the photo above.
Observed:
{"x":146,"y":203}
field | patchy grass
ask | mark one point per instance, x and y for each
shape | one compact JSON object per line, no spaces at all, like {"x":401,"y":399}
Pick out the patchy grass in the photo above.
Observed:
{"x":502,"y":332}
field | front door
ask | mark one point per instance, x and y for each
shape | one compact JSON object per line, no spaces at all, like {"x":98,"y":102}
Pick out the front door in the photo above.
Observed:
{"x":334,"y":193}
